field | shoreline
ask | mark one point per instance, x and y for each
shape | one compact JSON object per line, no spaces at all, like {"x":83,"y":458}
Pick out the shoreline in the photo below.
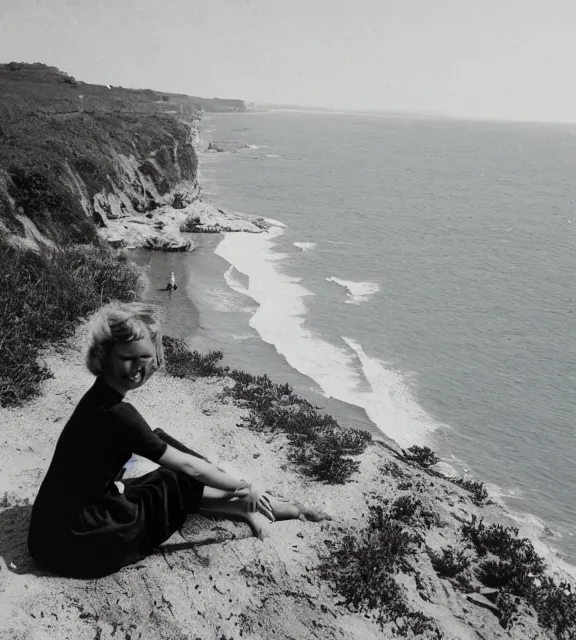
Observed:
{"x":212,"y":579}
{"x":242,"y":251}
{"x":532,"y":526}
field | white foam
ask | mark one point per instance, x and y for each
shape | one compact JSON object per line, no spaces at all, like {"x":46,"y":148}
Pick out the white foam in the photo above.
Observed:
{"x":279,"y":320}
{"x":389,"y":403}
{"x":233,"y":283}
{"x":272,"y":155}
{"x":274,"y":223}
{"x":305,"y":246}
{"x":358,"y":291}
{"x":257,"y":146}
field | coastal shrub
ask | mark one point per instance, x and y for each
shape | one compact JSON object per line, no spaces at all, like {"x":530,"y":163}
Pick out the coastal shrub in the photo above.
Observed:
{"x":362,"y":566}
{"x":183,"y":363}
{"x":425,"y":458}
{"x":411,"y":511}
{"x":318,"y":443}
{"x":393,"y":469}
{"x":422,"y":456}
{"x":328,"y":466}
{"x":512,"y":565}
{"x":450,"y":563}
{"x":43,"y":295}
{"x":404,"y":508}
{"x":556,"y":607}
{"x":478,"y":491}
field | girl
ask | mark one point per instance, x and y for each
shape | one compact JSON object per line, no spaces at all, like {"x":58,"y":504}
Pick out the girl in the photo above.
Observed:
{"x":85,"y":523}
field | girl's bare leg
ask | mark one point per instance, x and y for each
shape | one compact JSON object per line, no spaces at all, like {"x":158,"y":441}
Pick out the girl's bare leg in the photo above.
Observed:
{"x":222,"y":505}
{"x":217,"y":501}
{"x":284,"y":510}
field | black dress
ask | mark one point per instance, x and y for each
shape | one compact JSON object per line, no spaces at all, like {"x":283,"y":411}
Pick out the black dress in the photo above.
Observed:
{"x":81,"y":524}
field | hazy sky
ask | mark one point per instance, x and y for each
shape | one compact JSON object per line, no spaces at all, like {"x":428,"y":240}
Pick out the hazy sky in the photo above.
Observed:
{"x":487,"y":58}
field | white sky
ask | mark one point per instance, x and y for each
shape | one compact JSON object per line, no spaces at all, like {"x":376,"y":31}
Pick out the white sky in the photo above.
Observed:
{"x":512,"y":59}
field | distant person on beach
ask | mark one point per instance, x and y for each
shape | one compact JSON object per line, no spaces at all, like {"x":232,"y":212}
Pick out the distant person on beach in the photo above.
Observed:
{"x":172,"y":286}
{"x":87,"y":522}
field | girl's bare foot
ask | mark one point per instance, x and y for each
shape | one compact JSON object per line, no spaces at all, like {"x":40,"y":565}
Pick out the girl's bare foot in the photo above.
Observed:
{"x":295,"y":510}
{"x":259,"y":524}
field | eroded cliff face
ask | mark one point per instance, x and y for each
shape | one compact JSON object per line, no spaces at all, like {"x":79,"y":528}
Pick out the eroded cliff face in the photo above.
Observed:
{"x":77,"y":158}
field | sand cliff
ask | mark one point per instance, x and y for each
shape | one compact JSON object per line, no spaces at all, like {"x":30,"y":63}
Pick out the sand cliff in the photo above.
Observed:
{"x":213,"y":579}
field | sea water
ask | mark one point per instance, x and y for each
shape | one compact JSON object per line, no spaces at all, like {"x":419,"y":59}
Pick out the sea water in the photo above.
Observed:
{"x":422,"y":286}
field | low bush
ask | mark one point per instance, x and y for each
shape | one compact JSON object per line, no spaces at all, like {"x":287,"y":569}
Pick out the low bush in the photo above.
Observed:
{"x":425,"y":458}
{"x":411,"y":511}
{"x":450,"y":563}
{"x":393,"y":469}
{"x":422,"y":456}
{"x":362,"y":570}
{"x":192,"y":224}
{"x":42,"y":297}
{"x":512,"y":565}
{"x":478,"y":491}
{"x":318,"y":443}
{"x":183,"y":363}
{"x":405,"y":508}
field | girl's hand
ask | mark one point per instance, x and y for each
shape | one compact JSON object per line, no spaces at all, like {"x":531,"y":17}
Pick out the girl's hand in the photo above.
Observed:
{"x":258,"y":500}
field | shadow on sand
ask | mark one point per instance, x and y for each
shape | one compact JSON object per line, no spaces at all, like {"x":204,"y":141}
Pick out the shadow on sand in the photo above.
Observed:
{"x":196,"y":532}
{"x":14,"y":523}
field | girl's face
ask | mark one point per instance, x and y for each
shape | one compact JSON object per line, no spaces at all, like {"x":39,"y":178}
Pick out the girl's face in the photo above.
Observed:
{"x":130,"y":364}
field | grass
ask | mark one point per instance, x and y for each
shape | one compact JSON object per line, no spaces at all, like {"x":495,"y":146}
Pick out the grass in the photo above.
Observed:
{"x":318,"y":444}
{"x":43,"y":296}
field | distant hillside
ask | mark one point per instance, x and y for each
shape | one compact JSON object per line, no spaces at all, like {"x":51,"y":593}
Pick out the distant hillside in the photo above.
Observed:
{"x":73,"y":155}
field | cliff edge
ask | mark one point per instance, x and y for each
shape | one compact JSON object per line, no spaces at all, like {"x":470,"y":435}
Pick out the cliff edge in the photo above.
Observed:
{"x":76,"y":158}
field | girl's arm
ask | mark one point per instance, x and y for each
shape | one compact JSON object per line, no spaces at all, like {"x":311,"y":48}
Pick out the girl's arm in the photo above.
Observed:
{"x":254,"y":497}
{"x":203,"y":471}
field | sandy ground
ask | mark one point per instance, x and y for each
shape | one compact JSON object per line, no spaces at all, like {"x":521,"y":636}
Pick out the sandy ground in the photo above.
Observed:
{"x":213,"y":580}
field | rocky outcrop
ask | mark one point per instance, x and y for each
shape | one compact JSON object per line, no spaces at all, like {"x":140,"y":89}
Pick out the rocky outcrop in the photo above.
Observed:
{"x":170,"y":229}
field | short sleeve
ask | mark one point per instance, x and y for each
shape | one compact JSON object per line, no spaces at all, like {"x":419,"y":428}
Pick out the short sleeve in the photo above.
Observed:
{"x":136,"y":433}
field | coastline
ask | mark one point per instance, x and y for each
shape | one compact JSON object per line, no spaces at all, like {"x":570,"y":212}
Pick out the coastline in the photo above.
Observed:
{"x":530,"y":525}
{"x":556,"y":534}
{"x":213,"y":579}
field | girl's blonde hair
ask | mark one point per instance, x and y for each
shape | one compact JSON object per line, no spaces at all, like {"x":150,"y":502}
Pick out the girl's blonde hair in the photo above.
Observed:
{"x":121,"y":322}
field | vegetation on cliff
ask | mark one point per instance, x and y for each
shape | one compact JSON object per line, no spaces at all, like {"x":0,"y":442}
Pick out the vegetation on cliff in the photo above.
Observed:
{"x":43,"y":295}
{"x":67,"y":148}
{"x":369,"y":565}
{"x":318,"y":444}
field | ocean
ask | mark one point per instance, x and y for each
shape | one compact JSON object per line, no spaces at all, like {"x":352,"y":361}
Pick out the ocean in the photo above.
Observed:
{"x":422,"y":286}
